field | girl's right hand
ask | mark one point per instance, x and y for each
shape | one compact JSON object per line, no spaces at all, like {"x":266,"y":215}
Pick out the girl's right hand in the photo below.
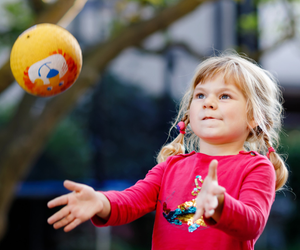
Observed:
{"x":79,"y":206}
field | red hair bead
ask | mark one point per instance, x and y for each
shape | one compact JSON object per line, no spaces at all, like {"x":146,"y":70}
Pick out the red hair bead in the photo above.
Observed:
{"x":270,"y":149}
{"x":181,"y":127}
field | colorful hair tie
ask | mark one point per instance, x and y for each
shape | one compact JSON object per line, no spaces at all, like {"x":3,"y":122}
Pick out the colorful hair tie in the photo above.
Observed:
{"x":270,"y":149}
{"x":181,"y":127}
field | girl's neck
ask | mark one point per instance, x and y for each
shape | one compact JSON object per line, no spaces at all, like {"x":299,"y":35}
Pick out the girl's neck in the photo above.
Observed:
{"x":220,"y":149}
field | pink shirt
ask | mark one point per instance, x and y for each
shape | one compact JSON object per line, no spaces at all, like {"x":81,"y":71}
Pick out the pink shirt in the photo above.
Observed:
{"x":170,"y":187}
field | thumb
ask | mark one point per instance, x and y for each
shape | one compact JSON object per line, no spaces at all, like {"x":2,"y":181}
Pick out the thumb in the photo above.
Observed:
{"x":212,"y":170}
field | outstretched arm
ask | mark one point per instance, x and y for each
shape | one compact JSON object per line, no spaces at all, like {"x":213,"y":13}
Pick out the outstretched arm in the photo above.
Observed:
{"x":210,"y":200}
{"x":79,"y":206}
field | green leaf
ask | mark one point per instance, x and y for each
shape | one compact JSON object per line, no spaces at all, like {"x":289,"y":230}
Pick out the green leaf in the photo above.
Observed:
{"x":248,"y":22}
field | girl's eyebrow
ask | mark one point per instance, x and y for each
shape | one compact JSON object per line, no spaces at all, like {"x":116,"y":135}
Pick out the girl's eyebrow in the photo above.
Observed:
{"x":222,"y":89}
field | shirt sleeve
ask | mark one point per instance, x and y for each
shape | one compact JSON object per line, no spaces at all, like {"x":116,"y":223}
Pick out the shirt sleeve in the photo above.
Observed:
{"x":134,"y":202}
{"x":245,"y":218}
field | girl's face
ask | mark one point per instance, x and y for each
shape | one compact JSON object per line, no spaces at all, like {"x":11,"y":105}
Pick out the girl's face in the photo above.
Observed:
{"x":218,"y":113}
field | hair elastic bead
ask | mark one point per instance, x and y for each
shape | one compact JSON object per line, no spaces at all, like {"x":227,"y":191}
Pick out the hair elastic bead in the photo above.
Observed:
{"x":270,"y":149}
{"x":181,"y":127}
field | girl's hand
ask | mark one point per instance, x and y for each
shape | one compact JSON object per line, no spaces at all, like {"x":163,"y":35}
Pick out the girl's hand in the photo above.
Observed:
{"x":80,"y":205}
{"x":210,"y":199}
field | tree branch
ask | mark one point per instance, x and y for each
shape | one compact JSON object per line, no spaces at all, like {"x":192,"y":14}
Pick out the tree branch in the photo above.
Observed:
{"x":290,"y":31}
{"x":182,"y":45}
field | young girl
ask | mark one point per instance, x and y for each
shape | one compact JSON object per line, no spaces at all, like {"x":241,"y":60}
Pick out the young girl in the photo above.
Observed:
{"x":231,"y":112}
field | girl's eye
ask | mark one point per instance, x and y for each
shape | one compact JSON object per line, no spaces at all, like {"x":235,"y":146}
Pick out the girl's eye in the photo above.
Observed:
{"x":200,"y":96}
{"x":224,"y":96}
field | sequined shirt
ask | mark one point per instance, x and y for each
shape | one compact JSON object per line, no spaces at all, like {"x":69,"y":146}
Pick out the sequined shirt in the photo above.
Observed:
{"x":170,"y":187}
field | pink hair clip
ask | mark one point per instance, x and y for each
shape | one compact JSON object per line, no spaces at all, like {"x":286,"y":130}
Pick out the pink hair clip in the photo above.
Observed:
{"x":181,"y":127}
{"x":270,"y":149}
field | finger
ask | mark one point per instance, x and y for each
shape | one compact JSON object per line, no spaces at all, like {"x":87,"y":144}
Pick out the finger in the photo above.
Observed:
{"x":72,"y":225}
{"x":59,"y":215}
{"x":211,"y":203}
{"x":212,"y":171}
{"x":73,"y":186}
{"x":198,"y":214}
{"x":63,"y":222}
{"x":59,"y":201}
{"x":218,"y":190}
{"x":209,"y":213}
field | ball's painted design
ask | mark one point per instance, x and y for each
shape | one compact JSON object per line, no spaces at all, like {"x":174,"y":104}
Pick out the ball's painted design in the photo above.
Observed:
{"x":46,"y":60}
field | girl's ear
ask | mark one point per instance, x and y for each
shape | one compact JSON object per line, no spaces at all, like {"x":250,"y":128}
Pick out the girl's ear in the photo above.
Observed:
{"x":250,"y":119}
{"x":253,"y":123}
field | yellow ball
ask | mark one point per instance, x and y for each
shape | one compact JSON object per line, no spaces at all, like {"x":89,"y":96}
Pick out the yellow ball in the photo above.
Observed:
{"x":46,"y":60}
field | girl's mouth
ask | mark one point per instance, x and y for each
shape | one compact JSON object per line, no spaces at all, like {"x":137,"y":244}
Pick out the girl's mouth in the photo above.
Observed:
{"x":208,"y":118}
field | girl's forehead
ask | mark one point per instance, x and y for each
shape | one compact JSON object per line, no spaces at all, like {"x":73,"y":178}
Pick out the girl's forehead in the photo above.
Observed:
{"x":226,"y":81}
{"x":220,"y":78}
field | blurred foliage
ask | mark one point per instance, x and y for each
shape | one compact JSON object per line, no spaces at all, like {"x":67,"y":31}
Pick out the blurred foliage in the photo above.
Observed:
{"x":18,"y":17}
{"x":290,"y":150}
{"x":129,"y":12}
{"x":248,"y":23}
{"x":128,"y":127}
{"x":67,"y":154}
{"x":6,"y":113}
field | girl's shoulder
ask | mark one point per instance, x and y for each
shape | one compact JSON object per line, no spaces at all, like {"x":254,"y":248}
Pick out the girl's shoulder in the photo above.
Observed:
{"x":253,"y":159}
{"x":253,"y":156}
{"x":187,"y":154}
{"x":179,"y":157}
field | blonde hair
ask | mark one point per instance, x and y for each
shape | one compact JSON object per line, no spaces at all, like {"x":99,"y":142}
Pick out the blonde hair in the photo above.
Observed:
{"x":264,"y":106}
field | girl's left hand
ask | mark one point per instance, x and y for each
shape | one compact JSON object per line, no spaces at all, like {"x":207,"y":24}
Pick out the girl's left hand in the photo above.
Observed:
{"x":210,"y":199}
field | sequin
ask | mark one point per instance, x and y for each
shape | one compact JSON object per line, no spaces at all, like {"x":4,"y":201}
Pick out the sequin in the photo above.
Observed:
{"x":184,"y":213}
{"x":193,"y":227}
{"x":197,"y":189}
{"x":177,"y":222}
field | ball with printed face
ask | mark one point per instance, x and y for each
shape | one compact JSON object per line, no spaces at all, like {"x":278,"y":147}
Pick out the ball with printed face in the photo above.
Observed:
{"x":46,"y":60}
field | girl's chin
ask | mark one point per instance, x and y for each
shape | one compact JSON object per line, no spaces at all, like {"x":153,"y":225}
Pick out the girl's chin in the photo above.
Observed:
{"x":212,"y":139}
{"x":211,"y":135}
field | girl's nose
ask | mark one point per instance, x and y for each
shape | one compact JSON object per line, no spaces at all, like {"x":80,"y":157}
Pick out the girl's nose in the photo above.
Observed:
{"x":210,"y":103}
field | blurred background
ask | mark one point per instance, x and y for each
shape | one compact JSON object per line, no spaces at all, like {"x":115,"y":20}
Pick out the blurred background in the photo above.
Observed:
{"x":105,"y":131}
